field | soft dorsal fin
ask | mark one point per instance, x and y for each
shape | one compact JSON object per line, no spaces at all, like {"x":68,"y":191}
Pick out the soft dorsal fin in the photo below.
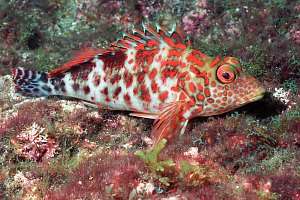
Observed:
{"x":83,"y":56}
{"x":150,"y":38}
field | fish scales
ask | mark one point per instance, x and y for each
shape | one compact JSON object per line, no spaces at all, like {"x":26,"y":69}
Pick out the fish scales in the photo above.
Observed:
{"x":152,"y":73}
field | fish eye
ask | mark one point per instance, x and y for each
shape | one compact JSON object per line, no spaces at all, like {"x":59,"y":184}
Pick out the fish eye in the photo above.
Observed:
{"x":225,"y":74}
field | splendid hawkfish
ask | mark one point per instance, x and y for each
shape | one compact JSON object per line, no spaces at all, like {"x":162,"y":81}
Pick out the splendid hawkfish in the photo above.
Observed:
{"x":152,"y":73}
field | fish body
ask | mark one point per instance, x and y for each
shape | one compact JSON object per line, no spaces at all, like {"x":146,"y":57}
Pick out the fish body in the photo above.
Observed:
{"x":151,"y":73}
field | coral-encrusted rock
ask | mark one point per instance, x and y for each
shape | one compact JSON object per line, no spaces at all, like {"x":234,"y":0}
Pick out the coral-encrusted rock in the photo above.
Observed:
{"x":35,"y":144}
{"x":7,"y":93}
{"x":28,"y":183}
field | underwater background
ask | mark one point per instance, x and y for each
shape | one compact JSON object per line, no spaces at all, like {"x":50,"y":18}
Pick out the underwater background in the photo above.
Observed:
{"x":60,"y":149}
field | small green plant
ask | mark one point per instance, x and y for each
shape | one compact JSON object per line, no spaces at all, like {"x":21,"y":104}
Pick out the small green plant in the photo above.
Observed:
{"x":192,"y":174}
{"x":151,"y":157}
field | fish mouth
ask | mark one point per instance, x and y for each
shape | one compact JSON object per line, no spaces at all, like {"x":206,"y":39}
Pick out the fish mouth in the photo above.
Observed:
{"x":259,"y":95}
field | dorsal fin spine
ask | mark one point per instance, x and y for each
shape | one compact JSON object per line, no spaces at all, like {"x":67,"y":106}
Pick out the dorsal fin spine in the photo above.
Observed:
{"x":135,"y":38}
{"x":173,"y":29}
{"x":153,"y":32}
{"x":169,"y":41}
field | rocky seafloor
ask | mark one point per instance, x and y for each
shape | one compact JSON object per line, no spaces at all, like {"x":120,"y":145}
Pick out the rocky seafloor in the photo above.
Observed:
{"x":59,"y":148}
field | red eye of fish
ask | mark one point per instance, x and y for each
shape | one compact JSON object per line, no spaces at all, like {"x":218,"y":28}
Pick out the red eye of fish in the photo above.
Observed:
{"x":225,"y":74}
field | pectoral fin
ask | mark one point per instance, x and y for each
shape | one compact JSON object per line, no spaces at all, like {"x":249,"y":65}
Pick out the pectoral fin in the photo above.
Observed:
{"x":170,"y":122}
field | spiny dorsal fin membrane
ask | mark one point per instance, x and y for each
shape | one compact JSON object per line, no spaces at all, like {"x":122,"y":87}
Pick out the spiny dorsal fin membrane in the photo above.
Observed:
{"x":83,"y":56}
{"x":150,"y":38}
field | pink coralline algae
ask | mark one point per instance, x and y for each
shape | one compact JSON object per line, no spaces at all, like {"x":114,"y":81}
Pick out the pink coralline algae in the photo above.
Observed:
{"x":193,"y":20}
{"x":295,"y":35}
{"x":34,"y":144}
{"x":148,"y":8}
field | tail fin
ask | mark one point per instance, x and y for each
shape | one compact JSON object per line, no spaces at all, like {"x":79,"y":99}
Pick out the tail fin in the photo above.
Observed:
{"x":32,"y":83}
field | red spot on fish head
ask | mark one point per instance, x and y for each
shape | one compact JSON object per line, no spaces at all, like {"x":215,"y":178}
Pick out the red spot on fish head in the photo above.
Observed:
{"x":210,"y":100}
{"x":200,"y":97}
{"x":215,"y":62}
{"x":207,"y":92}
{"x":192,"y":87}
{"x":213,"y":83}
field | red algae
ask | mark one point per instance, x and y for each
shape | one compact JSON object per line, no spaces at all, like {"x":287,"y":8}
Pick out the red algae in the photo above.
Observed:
{"x":101,"y":177}
{"x":38,"y":112}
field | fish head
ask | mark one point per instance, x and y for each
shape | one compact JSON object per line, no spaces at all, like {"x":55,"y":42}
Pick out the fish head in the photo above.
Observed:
{"x":230,"y":87}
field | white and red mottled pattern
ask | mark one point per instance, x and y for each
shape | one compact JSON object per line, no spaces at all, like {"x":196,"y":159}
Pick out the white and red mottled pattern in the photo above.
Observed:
{"x":152,"y":73}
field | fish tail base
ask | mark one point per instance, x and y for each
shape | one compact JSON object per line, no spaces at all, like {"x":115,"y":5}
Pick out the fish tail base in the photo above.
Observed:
{"x":32,"y":83}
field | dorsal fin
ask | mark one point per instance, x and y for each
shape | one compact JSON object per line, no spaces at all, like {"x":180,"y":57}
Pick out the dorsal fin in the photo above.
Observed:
{"x":150,"y":38}
{"x":82,"y":56}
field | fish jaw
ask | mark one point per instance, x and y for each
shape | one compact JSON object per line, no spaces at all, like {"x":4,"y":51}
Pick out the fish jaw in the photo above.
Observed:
{"x":259,"y":94}
{"x":247,"y":90}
